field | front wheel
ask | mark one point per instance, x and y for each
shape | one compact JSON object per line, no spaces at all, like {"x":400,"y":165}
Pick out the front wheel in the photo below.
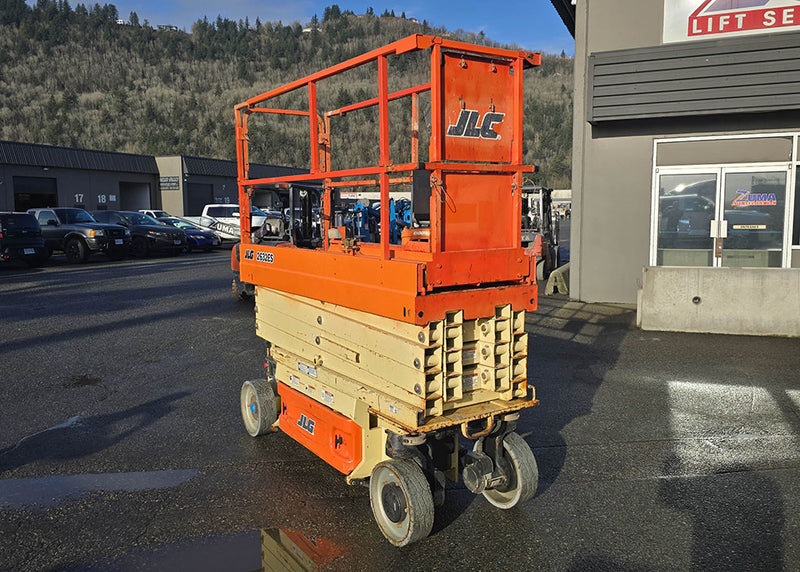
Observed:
{"x":524,"y":477}
{"x":76,"y":251}
{"x":258,"y":406}
{"x":240,"y":289}
{"x":401,"y":501}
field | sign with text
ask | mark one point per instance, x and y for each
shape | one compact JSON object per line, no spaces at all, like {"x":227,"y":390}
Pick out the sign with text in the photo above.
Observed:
{"x":686,"y":20}
{"x":170,"y":184}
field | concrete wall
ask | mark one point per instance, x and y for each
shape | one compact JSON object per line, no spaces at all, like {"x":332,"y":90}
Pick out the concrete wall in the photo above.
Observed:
{"x":171,"y":199}
{"x":721,"y":300}
{"x":611,"y":175}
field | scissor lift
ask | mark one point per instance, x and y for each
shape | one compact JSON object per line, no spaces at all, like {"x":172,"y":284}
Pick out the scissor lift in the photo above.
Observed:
{"x":380,"y":354}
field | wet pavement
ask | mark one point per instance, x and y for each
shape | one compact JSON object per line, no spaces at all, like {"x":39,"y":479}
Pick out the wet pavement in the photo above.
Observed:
{"x":121,"y":445}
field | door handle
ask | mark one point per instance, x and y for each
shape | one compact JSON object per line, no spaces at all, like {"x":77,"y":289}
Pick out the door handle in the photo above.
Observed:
{"x":719,"y":229}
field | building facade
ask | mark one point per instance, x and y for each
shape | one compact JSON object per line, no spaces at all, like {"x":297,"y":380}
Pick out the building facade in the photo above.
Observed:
{"x":685,"y":161}
{"x":34,"y":176}
{"x":188,"y":183}
{"x":44,"y":176}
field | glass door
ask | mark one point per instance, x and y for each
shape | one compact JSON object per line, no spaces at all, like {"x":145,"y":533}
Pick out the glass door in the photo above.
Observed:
{"x":686,"y":208}
{"x":752,"y":216}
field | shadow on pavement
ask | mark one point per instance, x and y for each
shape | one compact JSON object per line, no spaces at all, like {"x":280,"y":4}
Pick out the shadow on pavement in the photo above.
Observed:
{"x":736,"y":522}
{"x":571,"y":347}
{"x":82,"y":436}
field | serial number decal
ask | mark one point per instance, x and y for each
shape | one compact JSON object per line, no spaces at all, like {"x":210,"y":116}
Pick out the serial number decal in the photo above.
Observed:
{"x":265,"y":257}
{"x":307,"y":369}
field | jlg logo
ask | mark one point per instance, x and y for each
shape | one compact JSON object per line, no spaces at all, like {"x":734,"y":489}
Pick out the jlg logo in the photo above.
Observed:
{"x":306,"y":423}
{"x":467,"y":125}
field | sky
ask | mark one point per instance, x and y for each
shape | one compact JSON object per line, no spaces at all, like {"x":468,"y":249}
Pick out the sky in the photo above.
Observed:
{"x":531,"y":24}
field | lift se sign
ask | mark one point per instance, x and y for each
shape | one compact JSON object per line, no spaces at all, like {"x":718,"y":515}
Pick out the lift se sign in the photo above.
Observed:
{"x":705,"y":19}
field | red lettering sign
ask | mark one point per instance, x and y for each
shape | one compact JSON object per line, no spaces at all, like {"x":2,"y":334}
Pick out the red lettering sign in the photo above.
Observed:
{"x":729,"y":16}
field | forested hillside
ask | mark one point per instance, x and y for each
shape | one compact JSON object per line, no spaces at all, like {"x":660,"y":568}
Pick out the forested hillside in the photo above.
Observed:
{"x":75,"y":77}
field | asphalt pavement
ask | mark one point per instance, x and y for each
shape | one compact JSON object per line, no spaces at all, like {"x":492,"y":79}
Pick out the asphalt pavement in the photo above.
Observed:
{"x":122,"y":447}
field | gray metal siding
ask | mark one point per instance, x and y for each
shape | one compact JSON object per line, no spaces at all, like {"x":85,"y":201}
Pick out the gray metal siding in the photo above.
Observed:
{"x":33,"y":155}
{"x":202,"y":166}
{"x":740,"y":75}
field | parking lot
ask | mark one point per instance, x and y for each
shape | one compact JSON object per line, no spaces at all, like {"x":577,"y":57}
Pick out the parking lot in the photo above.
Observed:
{"x":122,"y":447}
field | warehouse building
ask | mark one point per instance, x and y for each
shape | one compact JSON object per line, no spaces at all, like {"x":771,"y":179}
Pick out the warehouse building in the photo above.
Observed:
{"x":188,"y":183}
{"x":685,"y":161}
{"x":44,"y":176}
{"x":34,"y":176}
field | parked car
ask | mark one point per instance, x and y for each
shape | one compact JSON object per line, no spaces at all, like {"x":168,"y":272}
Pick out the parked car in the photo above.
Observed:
{"x":78,"y":234}
{"x":223,"y":219}
{"x":21,"y":239}
{"x":147,"y":234}
{"x":199,"y":239}
{"x":155,"y":213}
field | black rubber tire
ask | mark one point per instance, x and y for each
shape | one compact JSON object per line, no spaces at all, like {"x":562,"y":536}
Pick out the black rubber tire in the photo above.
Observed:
{"x":238,"y":289}
{"x":526,"y":474}
{"x":76,"y":250}
{"x":258,"y":406}
{"x":401,"y":501}
{"x":139,"y":247}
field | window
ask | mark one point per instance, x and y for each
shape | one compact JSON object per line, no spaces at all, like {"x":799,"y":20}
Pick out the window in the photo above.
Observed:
{"x":45,"y":217}
{"x":796,"y":225}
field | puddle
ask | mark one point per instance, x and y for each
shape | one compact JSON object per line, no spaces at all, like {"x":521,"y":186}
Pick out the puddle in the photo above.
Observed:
{"x":264,"y":550}
{"x":44,"y":492}
{"x":84,"y":380}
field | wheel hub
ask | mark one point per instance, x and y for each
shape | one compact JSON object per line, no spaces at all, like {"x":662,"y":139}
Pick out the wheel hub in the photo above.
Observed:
{"x":394,"y":502}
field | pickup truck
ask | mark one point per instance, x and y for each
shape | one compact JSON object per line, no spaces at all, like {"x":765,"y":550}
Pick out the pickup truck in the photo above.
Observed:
{"x":223,"y":219}
{"x":21,"y":239}
{"x":78,"y":234}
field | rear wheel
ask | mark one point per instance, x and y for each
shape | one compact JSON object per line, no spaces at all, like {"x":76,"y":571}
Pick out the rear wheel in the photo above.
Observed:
{"x":258,"y":406}
{"x":76,"y":251}
{"x":401,"y":501}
